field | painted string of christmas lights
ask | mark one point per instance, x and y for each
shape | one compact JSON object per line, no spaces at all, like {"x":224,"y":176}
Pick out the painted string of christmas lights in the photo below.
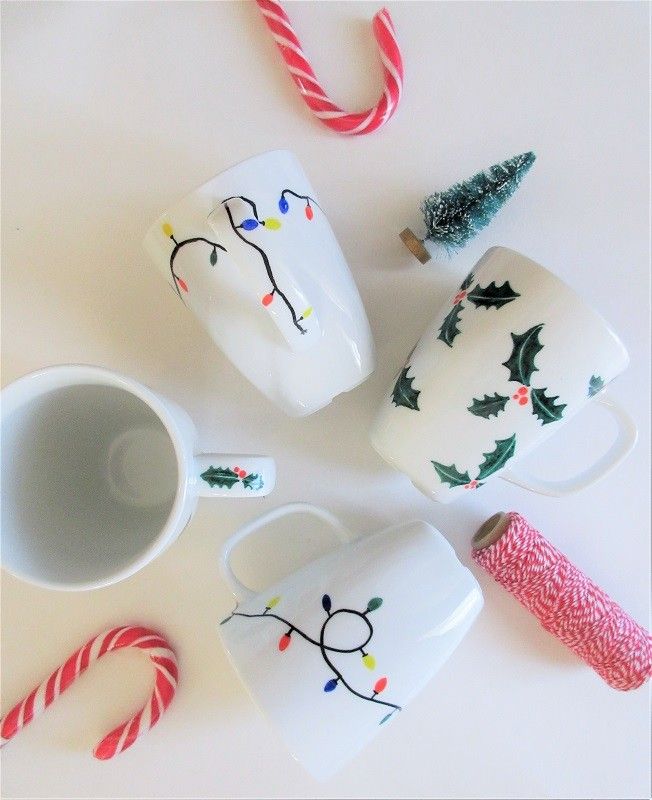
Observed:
{"x":178,"y":282}
{"x":367,"y":658}
{"x":273,"y":224}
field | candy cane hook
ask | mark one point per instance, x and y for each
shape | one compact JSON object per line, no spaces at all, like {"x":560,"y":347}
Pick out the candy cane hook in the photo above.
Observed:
{"x":314,"y":95}
{"x":122,"y":737}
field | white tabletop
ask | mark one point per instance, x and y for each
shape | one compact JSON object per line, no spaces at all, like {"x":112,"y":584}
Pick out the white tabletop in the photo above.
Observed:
{"x":111,"y":111}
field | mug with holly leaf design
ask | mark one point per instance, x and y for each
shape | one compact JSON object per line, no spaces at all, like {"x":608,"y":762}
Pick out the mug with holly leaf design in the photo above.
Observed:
{"x":512,"y":357}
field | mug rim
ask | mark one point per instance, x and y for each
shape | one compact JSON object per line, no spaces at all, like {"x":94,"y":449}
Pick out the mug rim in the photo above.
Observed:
{"x":555,"y":279}
{"x":78,"y":375}
{"x":172,"y":207}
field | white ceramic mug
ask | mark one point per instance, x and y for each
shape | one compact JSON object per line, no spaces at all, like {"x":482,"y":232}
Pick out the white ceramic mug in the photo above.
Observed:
{"x":251,"y":253}
{"x":340,"y":647}
{"x":99,"y":476}
{"x":512,"y":356}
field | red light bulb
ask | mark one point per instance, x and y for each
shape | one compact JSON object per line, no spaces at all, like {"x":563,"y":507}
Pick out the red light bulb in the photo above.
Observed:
{"x":267,"y":299}
{"x":284,"y":642}
{"x":182,"y":284}
{"x":380,"y":684}
{"x":309,"y":212}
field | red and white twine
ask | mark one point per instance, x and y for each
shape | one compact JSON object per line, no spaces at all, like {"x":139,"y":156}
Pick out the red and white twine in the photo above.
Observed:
{"x":311,"y":90}
{"x":122,"y":737}
{"x":568,"y":604}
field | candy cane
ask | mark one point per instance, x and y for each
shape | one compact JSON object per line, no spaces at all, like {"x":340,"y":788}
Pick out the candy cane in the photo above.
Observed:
{"x":165,"y":663}
{"x":309,"y":87}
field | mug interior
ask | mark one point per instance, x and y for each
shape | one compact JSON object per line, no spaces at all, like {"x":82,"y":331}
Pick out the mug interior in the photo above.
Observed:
{"x":89,"y":479}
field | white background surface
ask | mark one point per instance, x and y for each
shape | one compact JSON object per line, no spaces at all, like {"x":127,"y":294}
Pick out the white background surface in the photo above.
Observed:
{"x":110,"y":113}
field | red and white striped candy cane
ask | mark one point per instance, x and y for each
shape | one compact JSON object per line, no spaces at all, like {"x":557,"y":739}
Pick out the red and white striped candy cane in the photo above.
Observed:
{"x":309,"y":87}
{"x":165,"y":663}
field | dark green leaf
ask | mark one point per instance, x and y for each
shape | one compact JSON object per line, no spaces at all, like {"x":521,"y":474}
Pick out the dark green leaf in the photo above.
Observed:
{"x":403,"y":393}
{"x":467,"y":282}
{"x":595,"y":385}
{"x":214,"y":256}
{"x":220,"y":476}
{"x":253,"y":481}
{"x":488,"y":406}
{"x":544,"y":407}
{"x":449,"y":329}
{"x":497,"y":458}
{"x":451,"y":475}
{"x":492,"y":295}
{"x":521,"y":362}
{"x":374,"y":603}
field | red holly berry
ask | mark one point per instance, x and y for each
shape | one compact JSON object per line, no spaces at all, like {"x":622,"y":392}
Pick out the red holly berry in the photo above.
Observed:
{"x":236,"y":470}
{"x":522,"y":401}
{"x":267,"y":299}
{"x":242,"y":473}
{"x":522,"y":390}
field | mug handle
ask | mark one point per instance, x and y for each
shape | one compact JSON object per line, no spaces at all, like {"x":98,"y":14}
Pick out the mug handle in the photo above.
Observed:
{"x":220,"y":475}
{"x":625,"y":441}
{"x":242,"y":592}
{"x":294,"y":316}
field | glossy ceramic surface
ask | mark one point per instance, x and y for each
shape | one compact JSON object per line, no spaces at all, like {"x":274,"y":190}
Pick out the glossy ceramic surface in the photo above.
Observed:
{"x":99,"y":475}
{"x":252,"y":254}
{"x":337,"y":650}
{"x":510,"y":358}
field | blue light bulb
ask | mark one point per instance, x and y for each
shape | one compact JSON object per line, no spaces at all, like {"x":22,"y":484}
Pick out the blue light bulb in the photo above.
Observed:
{"x":330,"y":685}
{"x":283,"y":205}
{"x":249,"y":224}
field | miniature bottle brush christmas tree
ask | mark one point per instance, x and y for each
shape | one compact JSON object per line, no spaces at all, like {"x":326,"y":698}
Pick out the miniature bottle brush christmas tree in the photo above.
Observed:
{"x":453,"y":217}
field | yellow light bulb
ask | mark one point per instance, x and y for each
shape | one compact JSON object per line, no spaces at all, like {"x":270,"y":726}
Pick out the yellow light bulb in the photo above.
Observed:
{"x":272,"y":223}
{"x":273,"y":602}
{"x":369,"y":661}
{"x":167,"y":229}
{"x":307,"y":312}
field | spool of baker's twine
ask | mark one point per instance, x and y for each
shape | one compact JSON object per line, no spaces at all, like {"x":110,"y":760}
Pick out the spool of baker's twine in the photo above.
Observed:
{"x":566,"y":602}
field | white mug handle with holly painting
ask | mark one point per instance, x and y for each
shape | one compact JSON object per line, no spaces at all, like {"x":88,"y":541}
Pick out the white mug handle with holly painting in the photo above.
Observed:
{"x":238,"y":588}
{"x":273,"y":286}
{"x":220,"y":475}
{"x":625,"y":440}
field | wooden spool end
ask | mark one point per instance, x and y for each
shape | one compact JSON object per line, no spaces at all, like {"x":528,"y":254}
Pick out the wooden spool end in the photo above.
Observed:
{"x":490,"y":531}
{"x":415,"y":245}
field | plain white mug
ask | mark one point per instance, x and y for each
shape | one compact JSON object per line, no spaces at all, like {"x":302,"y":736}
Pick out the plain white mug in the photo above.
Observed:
{"x":337,"y":649}
{"x":252,"y":255}
{"x":509,"y":359}
{"x":100,"y":475}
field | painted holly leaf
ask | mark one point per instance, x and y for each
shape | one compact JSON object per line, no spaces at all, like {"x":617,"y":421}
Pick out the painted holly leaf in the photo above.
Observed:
{"x":498,"y":457}
{"x":488,"y":406}
{"x":595,"y":385}
{"x":521,"y":362}
{"x":545,"y":408}
{"x":467,"y":282}
{"x":451,"y":475}
{"x":403,"y":393}
{"x":214,"y":256}
{"x":449,"y":329}
{"x":492,"y":295}
{"x":253,"y":481}
{"x":220,"y":476}
{"x":374,"y":603}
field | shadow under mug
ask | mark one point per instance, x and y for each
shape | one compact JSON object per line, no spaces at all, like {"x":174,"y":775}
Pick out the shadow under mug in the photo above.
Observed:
{"x":505,"y":363}
{"x":336,"y":650}
{"x":99,"y":476}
